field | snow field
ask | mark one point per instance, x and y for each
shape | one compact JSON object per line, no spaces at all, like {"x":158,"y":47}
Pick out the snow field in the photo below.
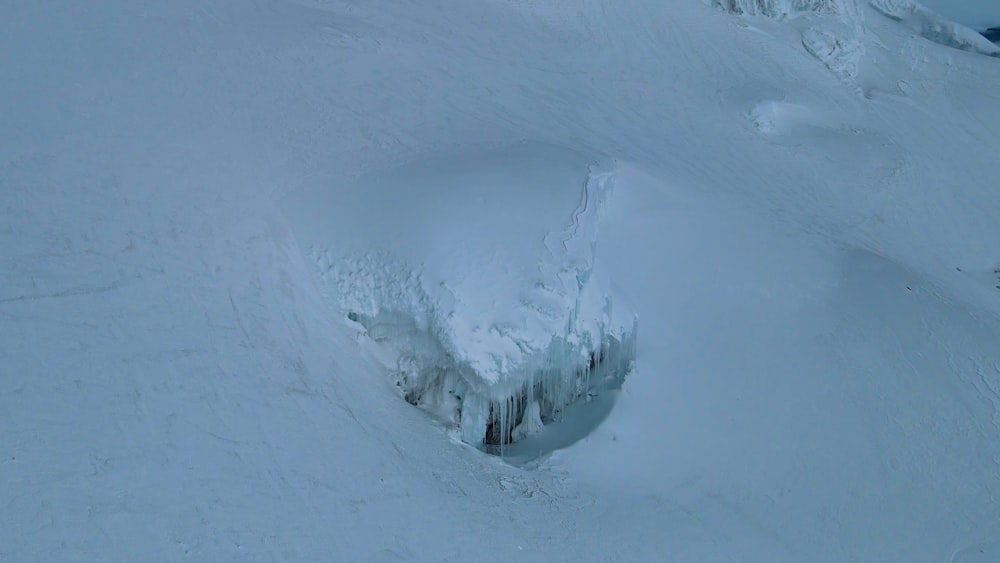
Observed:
{"x":195,"y":196}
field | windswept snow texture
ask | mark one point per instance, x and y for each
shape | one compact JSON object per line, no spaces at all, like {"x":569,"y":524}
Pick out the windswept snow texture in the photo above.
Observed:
{"x":482,"y":277}
{"x":196,"y":196}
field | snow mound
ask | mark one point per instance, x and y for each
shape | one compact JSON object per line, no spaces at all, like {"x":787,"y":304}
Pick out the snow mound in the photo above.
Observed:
{"x":934,"y":27}
{"x":487,"y":301}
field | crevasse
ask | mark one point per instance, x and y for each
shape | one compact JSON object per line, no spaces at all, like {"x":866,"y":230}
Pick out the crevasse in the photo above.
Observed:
{"x":494,"y":381}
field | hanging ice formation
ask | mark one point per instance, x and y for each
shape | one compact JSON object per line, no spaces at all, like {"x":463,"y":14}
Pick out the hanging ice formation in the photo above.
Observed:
{"x":496,"y":355}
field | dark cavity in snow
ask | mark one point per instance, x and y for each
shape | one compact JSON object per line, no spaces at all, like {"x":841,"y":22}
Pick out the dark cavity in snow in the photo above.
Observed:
{"x":562,"y":397}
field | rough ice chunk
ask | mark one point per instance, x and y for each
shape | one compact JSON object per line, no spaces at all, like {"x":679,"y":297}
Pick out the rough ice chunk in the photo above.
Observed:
{"x":840,"y":52}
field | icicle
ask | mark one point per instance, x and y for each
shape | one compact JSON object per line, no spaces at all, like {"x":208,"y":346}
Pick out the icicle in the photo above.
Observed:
{"x":504,"y":413}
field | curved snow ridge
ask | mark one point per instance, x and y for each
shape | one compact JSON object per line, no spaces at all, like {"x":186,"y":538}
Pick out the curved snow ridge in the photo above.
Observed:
{"x":497,"y":337}
{"x":934,"y":27}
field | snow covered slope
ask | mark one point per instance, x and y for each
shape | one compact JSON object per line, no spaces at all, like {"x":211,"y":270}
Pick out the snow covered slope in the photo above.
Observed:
{"x":934,"y":27}
{"x":977,"y":14}
{"x":812,"y":256}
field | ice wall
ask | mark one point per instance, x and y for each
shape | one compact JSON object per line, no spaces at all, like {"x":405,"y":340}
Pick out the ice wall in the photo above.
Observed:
{"x":490,"y":306}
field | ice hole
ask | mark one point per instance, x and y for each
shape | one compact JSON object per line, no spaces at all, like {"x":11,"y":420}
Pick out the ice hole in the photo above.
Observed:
{"x":556,"y":398}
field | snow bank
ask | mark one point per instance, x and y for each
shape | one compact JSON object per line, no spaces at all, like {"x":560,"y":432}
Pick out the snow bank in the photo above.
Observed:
{"x":935,"y":27}
{"x":485,"y":292}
